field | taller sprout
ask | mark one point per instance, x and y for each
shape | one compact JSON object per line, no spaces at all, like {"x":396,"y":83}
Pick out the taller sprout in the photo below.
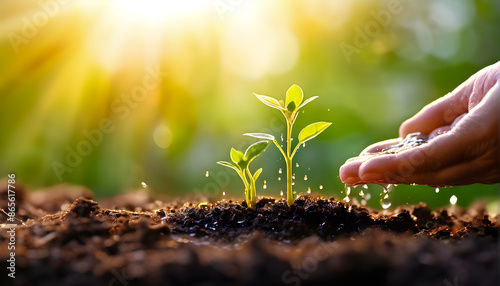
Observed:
{"x":293,"y":103}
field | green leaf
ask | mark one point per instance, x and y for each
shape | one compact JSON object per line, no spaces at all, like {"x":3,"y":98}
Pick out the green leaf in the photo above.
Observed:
{"x":256,"y":175}
{"x":261,"y":136}
{"x":229,"y":165}
{"x":312,"y":130}
{"x":294,"y":94}
{"x":307,"y":101}
{"x":254,"y":150}
{"x":236,"y":156}
{"x":269,"y":101}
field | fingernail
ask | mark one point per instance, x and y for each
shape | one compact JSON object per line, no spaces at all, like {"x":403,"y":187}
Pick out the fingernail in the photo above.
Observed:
{"x":369,"y":177}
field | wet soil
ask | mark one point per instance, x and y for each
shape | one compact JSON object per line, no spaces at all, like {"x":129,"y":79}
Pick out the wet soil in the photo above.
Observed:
{"x":64,"y":237}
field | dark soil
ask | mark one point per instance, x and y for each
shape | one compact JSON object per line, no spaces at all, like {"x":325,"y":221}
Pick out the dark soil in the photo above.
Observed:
{"x":66,"y":238}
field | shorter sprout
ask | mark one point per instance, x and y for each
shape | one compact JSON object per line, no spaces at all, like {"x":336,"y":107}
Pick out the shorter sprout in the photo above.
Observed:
{"x":241,"y":162}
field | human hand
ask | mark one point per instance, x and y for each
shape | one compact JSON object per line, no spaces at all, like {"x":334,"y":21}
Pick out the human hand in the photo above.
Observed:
{"x":463,"y":141}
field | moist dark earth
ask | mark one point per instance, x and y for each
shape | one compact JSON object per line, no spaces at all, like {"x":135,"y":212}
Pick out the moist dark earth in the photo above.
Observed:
{"x":64,"y":237}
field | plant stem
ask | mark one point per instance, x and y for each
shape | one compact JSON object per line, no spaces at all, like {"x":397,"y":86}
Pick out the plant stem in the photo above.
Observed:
{"x":252,"y":194}
{"x":289,"y":166}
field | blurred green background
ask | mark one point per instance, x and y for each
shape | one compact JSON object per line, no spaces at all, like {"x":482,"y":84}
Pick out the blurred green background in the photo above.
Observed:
{"x":111,"y":94}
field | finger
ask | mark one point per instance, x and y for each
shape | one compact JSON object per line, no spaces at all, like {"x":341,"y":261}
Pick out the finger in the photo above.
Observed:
{"x":379,"y":146}
{"x":439,"y":113}
{"x":403,"y":167}
{"x":348,"y":172}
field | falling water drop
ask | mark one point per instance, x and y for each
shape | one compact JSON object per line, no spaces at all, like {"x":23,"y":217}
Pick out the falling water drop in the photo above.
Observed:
{"x":144,"y":185}
{"x":281,"y":193}
{"x":282,"y":137}
{"x":280,"y":171}
{"x":320,"y":187}
{"x":223,"y":193}
{"x":362,"y":194}
{"x":309,"y":190}
{"x":437,"y":190}
{"x":293,"y":183}
{"x":385,"y":203}
{"x":453,"y":200}
{"x":279,"y":178}
{"x":207,"y":174}
{"x":305,"y":178}
{"x":265,"y":185}
{"x":297,"y":165}
{"x":365,"y":186}
{"x":347,"y":190}
{"x":303,"y":145}
{"x":293,"y":176}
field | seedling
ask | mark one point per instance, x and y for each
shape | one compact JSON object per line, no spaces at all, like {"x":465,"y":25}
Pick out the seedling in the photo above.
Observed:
{"x":241,"y":166}
{"x":290,"y":109}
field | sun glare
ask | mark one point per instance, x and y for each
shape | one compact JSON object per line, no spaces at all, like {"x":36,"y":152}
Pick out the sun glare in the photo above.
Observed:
{"x":156,"y":10}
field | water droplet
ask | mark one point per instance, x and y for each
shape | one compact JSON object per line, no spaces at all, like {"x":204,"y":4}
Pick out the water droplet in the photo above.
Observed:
{"x":279,"y":178}
{"x":320,"y":187}
{"x":144,"y":185}
{"x":293,"y":183}
{"x":282,"y":137}
{"x":328,"y":109}
{"x":297,"y":165}
{"x":207,"y":174}
{"x":291,"y":139}
{"x":348,"y":190}
{"x":365,"y":186}
{"x":281,"y":193}
{"x":305,"y":178}
{"x":437,"y":190}
{"x":309,"y":190}
{"x":308,"y":168}
{"x":265,"y":185}
{"x":293,"y":176}
{"x":280,"y":171}
{"x":362,"y":194}
{"x":223,"y":193}
{"x":453,"y":200}
{"x":386,"y":196}
{"x":385,"y":203}
{"x":303,"y":145}
{"x":346,"y":199}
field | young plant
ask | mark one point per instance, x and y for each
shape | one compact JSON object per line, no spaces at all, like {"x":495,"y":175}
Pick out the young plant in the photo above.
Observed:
{"x":241,"y":166}
{"x":290,"y":109}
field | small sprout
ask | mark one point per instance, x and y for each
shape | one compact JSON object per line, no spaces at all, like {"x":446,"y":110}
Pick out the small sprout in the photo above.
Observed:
{"x":241,"y":163}
{"x":294,"y":101}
